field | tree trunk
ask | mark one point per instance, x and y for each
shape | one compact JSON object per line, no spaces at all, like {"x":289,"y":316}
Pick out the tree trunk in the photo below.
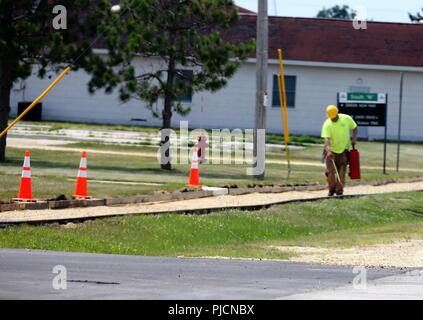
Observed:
{"x":5,"y":87}
{"x":167,"y":117}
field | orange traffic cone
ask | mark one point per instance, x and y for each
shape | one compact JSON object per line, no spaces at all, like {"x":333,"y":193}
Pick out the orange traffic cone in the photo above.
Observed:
{"x":194,"y":174}
{"x":25,"y":188}
{"x":81,"y":188}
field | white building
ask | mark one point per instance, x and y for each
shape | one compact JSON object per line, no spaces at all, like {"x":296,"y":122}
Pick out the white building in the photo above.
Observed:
{"x":322,"y":57}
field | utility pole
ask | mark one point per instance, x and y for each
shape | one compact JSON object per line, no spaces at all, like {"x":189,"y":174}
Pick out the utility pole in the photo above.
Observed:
{"x":262,"y":56}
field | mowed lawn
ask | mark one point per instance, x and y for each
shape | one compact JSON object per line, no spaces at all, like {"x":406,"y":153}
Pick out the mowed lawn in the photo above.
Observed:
{"x":121,"y":170}
{"x":329,"y":223}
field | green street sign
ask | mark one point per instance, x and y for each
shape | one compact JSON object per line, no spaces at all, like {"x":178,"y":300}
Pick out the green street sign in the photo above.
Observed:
{"x":359,"y":97}
{"x":362,"y":96}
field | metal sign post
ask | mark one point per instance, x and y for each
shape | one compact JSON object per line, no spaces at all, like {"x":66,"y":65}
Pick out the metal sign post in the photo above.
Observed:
{"x":367,"y":110}
{"x":386,"y":137}
{"x":284,"y":110}
{"x":399,"y":120}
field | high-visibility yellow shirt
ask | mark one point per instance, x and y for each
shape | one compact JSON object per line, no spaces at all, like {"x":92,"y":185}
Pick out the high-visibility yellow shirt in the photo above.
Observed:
{"x":339,"y":132}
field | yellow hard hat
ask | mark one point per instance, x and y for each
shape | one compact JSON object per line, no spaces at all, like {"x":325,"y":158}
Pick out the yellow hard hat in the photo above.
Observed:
{"x":332,"y":111}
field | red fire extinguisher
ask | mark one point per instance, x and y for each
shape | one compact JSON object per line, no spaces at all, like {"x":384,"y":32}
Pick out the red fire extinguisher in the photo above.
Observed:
{"x":354,"y":161}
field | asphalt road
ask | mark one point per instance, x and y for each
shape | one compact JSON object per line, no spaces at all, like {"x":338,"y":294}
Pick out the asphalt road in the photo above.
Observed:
{"x":29,"y":275}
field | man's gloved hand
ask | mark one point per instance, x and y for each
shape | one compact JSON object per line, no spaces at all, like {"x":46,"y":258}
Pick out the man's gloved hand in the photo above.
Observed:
{"x":329,"y":155}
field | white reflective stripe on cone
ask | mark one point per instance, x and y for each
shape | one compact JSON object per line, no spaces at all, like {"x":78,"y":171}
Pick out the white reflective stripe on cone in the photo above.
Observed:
{"x":27,"y":162}
{"x":26,"y":173}
{"x":83,"y":163}
{"x":194,"y":154}
{"x":194,"y":165}
{"x":82,"y":173}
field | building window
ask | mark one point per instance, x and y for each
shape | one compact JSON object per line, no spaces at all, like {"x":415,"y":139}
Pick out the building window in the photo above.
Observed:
{"x":290,"y":86}
{"x":183,"y":76}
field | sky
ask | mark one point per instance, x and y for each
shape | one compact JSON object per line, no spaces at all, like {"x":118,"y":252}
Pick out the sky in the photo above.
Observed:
{"x":377,"y":10}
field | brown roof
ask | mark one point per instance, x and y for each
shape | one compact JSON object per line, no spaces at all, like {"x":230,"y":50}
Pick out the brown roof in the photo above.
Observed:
{"x":242,"y":10}
{"x":329,"y":40}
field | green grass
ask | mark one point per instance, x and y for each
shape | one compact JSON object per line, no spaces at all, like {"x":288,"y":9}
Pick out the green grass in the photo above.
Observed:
{"x":375,"y":219}
{"x":54,"y":172}
{"x":297,"y":140}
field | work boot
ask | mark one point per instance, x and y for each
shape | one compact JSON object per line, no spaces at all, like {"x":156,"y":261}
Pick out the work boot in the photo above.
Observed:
{"x":340,"y":193}
{"x":331,"y":193}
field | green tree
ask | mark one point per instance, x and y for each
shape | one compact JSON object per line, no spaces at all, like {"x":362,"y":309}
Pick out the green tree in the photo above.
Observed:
{"x":337,"y":12}
{"x":175,"y":36}
{"x":28,"y":41}
{"x":416,"y":17}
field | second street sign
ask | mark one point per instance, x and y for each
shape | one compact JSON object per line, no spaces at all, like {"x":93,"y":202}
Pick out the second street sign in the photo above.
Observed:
{"x":367,"y":109}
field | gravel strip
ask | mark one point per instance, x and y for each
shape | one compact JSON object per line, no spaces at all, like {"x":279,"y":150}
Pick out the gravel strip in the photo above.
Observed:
{"x":401,"y":254}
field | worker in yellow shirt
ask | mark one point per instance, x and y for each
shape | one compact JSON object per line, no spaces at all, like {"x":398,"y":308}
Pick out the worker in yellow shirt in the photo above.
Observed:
{"x":336,"y":132}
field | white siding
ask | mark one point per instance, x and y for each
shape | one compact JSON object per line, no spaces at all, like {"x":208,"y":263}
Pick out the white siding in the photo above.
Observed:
{"x":318,"y":87}
{"x":233,"y":106}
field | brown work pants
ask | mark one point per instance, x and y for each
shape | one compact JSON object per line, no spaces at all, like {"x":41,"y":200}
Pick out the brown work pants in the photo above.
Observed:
{"x":341,"y":162}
